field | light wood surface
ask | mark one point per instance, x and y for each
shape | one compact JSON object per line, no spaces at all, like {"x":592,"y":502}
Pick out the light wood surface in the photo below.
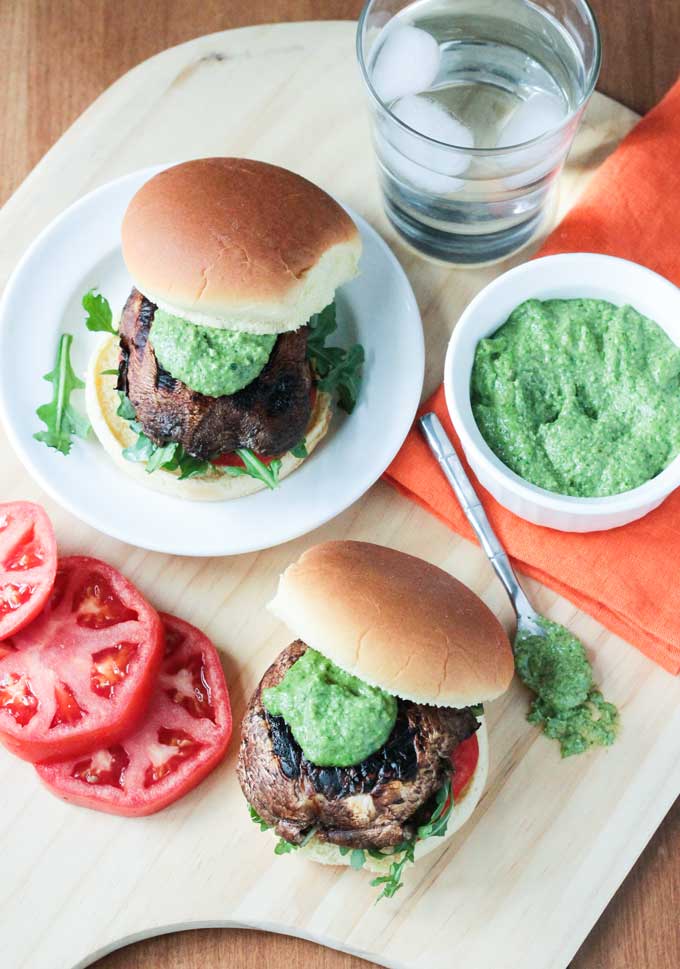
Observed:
{"x":381,"y":516}
{"x":59,"y":55}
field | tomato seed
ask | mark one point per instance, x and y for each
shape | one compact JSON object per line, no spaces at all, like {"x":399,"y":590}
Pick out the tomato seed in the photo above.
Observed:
{"x":110,"y":667}
{"x":105,"y":768}
{"x":68,"y":709}
{"x":17,"y":698}
{"x":97,"y":606}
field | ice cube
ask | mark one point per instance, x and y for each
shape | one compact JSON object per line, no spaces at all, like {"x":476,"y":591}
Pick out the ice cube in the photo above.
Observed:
{"x":407,"y":62}
{"x":428,"y":166}
{"x":432,"y":119}
{"x":534,"y":117}
{"x":538,"y":115}
{"x":531,"y":175}
{"x":418,"y":175}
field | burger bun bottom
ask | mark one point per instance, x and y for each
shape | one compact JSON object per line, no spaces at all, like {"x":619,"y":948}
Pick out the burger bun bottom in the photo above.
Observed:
{"x":114,"y":434}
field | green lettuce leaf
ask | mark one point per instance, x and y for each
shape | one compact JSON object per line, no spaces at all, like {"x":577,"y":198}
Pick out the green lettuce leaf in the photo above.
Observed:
{"x":339,"y":371}
{"x":61,"y":419}
{"x":99,"y":317}
{"x":300,"y":450}
{"x":254,"y":468}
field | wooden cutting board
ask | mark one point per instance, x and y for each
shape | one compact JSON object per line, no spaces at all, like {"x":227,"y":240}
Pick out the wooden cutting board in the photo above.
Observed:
{"x":524,"y":882}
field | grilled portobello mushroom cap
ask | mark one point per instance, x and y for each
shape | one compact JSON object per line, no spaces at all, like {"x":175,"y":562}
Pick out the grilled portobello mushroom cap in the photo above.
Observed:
{"x":375,"y":804}
{"x":269,"y":416}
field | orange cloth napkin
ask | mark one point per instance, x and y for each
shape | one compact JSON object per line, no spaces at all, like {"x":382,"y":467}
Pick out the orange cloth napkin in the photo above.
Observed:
{"x":627,"y":578}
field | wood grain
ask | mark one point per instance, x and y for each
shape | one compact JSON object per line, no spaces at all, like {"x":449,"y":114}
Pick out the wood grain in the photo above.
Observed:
{"x":56,"y":58}
{"x":58,"y":55}
{"x":639,"y":929}
{"x":641,"y":49}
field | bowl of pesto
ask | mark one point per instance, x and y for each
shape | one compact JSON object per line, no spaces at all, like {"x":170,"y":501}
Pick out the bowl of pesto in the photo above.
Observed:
{"x":562,"y":379}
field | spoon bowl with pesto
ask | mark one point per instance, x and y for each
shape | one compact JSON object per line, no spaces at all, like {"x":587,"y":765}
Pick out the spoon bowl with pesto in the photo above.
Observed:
{"x":549,"y":659}
{"x":562,"y":379}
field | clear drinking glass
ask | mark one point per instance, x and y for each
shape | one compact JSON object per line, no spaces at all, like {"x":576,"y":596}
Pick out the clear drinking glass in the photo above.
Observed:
{"x":475,"y":104}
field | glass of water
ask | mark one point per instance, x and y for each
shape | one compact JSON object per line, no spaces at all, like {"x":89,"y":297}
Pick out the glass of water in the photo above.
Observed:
{"x":475,"y":104}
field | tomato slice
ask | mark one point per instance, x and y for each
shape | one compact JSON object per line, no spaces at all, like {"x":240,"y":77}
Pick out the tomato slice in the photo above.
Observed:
{"x":464,"y":759}
{"x":28,"y":564}
{"x":183,"y":736}
{"x":232,"y":460}
{"x":82,"y":673}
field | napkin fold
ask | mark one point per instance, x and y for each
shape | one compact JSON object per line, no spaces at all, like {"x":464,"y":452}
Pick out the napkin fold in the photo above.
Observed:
{"x":627,"y":578}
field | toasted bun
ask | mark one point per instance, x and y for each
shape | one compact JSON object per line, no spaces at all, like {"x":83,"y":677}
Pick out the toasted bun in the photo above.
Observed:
{"x":327,"y":854}
{"x":114,"y":434}
{"x":238,"y":244}
{"x":396,"y":622}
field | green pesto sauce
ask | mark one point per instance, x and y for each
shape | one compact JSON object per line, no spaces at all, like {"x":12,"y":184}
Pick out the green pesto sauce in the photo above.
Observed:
{"x":555,"y":667}
{"x":579,"y":396}
{"x":337,"y":719}
{"x":211,"y":361}
{"x":568,"y":706}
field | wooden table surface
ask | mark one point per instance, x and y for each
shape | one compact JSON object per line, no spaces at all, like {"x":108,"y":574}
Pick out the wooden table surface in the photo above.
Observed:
{"x":57,"y":56}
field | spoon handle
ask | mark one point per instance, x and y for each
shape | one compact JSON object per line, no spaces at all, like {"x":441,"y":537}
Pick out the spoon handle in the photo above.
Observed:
{"x":445,"y":453}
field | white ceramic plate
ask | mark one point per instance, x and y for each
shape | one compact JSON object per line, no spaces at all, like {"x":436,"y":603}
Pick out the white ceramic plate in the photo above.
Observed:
{"x":81,"y":249}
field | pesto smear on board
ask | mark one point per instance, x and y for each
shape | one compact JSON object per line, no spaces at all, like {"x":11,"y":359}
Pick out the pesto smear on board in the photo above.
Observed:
{"x":568,"y":706}
{"x":336,"y":718}
{"x":579,"y":396}
{"x":210,"y":361}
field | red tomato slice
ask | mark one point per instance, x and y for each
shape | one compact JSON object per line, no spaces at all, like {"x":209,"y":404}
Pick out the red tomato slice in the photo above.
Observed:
{"x":464,"y":759}
{"x":83,"y":672}
{"x":28,"y":564}
{"x":183,"y":737}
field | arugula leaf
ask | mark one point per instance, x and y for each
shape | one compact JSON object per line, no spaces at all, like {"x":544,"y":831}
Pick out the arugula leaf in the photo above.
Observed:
{"x":141,"y":450}
{"x":254,"y":468}
{"x":173,"y":457}
{"x":189,"y":466}
{"x":125,"y":408}
{"x":321,"y":325}
{"x":436,"y":827}
{"x":338,"y":370}
{"x":108,"y":373}
{"x":357,"y":858}
{"x":477,"y":709}
{"x":162,"y":457}
{"x":391,"y":883}
{"x":99,"y":317}
{"x":344,"y":378}
{"x":170,"y":457}
{"x":384,"y":852}
{"x":256,"y":819}
{"x":300,"y":450}
{"x":60,"y":418}
{"x":284,"y":847}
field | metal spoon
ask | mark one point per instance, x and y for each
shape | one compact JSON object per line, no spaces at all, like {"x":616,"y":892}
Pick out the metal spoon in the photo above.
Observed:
{"x":528,"y":620}
{"x":561,"y":676}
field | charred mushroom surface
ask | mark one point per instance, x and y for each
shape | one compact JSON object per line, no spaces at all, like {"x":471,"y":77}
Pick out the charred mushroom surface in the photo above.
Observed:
{"x":269,"y":416}
{"x":373,"y":804}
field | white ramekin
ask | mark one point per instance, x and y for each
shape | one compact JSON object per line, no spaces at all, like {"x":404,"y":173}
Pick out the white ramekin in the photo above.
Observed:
{"x":568,"y":276}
